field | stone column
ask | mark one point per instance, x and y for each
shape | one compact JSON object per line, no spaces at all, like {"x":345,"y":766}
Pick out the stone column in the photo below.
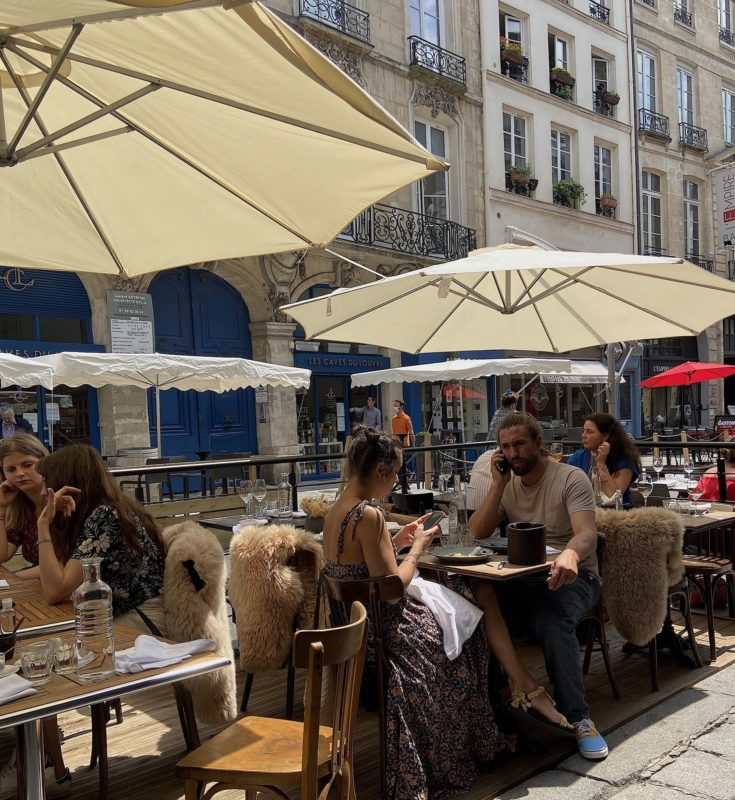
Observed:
{"x":272,"y":342}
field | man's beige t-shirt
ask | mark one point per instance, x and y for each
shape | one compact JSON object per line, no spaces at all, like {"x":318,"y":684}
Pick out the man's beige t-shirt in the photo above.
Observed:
{"x":563,"y":490}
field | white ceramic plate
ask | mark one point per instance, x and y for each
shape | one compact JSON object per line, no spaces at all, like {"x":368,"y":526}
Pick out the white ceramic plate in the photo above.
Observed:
{"x":10,"y":669}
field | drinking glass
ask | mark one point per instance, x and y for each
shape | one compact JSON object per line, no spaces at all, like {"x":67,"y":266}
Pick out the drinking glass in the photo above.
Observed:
{"x":688,"y":468}
{"x":695,"y":492}
{"x":65,"y":657}
{"x":259,"y":492}
{"x":245,"y":490}
{"x":556,"y":451}
{"x":645,"y":487}
{"x":685,"y":506}
{"x":445,"y":473}
{"x":658,"y":465}
{"x":36,"y":661}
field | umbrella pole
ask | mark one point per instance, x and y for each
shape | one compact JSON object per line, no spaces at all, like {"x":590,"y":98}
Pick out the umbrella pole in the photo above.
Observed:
{"x":158,"y":417}
{"x":461,"y":411}
{"x":612,"y":384}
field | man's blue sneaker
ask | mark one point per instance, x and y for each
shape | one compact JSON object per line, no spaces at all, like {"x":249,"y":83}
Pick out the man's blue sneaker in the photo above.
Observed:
{"x":591,"y":745}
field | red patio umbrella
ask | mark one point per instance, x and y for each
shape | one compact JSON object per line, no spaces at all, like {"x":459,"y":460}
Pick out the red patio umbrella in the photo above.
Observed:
{"x":688,"y":373}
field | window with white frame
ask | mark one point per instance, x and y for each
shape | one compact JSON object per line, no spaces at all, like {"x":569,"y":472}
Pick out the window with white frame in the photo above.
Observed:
{"x":600,"y":74}
{"x":515,"y":142}
{"x":690,"y":192}
{"x":685,"y":95}
{"x":425,"y":20}
{"x":651,"y":211}
{"x":561,"y":156}
{"x":433,"y":192}
{"x":512,"y":28}
{"x":558,"y":51}
{"x":728,"y":115}
{"x":646,"y":81}
{"x":724,"y":14}
{"x":603,"y":171}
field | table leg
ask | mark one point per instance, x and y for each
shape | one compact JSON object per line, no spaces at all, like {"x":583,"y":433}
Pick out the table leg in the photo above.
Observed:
{"x":31,"y":748}
{"x":709,"y":606}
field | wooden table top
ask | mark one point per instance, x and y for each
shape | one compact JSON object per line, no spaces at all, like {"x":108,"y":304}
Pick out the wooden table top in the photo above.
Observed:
{"x":490,"y":570}
{"x":228,"y":523}
{"x":65,"y":692}
{"x":40,"y":616}
{"x":712,"y":519}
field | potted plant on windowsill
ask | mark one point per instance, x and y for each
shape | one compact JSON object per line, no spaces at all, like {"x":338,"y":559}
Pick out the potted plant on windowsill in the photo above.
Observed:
{"x":511,"y":52}
{"x":608,"y":201}
{"x":610,"y":98}
{"x":520,"y":174}
{"x":567,"y":192}
{"x":562,"y":76}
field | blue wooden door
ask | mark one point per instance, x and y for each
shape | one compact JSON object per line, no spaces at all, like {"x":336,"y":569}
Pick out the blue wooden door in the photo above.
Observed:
{"x":197,"y":313}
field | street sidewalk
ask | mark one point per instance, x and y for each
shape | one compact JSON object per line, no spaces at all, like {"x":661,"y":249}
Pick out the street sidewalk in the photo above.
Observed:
{"x":683,"y":748}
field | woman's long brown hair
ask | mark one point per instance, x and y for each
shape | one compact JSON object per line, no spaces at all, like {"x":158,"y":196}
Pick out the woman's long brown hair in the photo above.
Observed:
{"x":21,"y":514}
{"x":81,"y":466}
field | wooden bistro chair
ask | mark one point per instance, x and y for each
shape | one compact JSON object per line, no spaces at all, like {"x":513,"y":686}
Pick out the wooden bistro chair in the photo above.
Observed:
{"x":340,"y":594}
{"x":259,"y":754}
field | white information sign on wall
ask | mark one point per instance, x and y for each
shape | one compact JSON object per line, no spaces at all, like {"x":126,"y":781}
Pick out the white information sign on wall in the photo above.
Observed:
{"x":131,"y":322}
{"x":725,"y":203}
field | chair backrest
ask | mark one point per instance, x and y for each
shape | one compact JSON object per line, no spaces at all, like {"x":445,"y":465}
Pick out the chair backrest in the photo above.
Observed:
{"x":343,"y":649}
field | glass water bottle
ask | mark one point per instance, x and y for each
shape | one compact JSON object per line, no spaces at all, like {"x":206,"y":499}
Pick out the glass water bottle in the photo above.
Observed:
{"x":94,"y":642}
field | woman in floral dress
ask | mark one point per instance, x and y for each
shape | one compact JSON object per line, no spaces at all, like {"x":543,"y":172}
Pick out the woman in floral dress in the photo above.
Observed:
{"x":106,"y":524}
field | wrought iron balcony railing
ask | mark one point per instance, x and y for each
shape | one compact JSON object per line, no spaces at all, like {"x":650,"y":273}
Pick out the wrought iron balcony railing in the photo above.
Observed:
{"x":438,"y":60}
{"x":410,"y":232}
{"x":705,"y":263}
{"x":654,"y":124}
{"x":519,"y":72}
{"x":600,"y":106}
{"x":692,"y":136}
{"x":350,"y":20}
{"x":599,"y":12}
{"x":604,"y":209}
{"x":682,"y":15}
{"x":651,"y":3}
{"x":525,"y":189}
{"x":653,"y":251}
{"x":727,"y":36}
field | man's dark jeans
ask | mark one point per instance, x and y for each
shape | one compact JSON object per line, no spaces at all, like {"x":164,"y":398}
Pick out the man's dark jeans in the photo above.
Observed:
{"x":551,"y":618}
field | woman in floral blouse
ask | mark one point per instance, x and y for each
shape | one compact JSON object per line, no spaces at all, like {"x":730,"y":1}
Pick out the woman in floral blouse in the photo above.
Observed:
{"x":106,"y":524}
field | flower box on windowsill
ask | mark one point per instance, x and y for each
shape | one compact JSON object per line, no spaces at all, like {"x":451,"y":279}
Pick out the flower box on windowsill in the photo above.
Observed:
{"x":611,"y":98}
{"x":512,"y":55}
{"x":606,"y":201}
{"x":562,"y":76}
{"x":307,"y":347}
{"x":338,"y":347}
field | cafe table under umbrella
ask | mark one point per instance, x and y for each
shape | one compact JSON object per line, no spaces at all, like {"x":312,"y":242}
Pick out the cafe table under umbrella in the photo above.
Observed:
{"x":145,"y":135}
{"x":160,"y":371}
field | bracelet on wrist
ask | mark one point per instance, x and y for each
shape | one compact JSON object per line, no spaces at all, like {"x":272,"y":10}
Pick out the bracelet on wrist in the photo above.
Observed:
{"x":44,"y":541}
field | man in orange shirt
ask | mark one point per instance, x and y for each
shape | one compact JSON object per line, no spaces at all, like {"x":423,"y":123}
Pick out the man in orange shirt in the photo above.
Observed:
{"x":402,"y":425}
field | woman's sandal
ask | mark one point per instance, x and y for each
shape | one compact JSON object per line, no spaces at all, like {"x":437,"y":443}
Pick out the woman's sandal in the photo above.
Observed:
{"x":522,"y":700}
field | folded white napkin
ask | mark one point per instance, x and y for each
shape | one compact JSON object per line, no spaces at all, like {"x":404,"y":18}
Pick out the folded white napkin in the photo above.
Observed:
{"x":456,"y":616}
{"x":4,"y":584}
{"x":150,"y":653}
{"x":254,"y":521}
{"x":13,"y":688}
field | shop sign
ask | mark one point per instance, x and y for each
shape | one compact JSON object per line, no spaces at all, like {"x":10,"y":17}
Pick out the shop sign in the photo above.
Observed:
{"x":332,"y":362}
{"x":131,"y":322}
{"x":724,"y":181}
{"x":26,"y":349}
{"x":725,"y":422}
{"x":14,"y":279}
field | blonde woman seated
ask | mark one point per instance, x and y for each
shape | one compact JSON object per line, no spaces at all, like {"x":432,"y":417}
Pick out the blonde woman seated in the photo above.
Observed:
{"x":440,"y":723}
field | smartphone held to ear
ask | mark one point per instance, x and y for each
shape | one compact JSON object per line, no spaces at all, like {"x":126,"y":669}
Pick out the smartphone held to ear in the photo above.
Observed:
{"x":435,"y":518}
{"x":503,"y":466}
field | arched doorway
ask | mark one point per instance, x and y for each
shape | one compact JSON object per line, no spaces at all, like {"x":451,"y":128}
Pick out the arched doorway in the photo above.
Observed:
{"x":197,"y":313}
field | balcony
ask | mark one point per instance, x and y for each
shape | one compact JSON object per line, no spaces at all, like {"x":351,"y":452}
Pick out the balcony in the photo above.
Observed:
{"x":653,"y":124}
{"x":682,"y":16}
{"x":436,"y":59}
{"x":599,"y":12}
{"x":704,"y":263}
{"x":561,"y":83}
{"x":727,"y":36}
{"x":349,"y":20}
{"x":526,"y":189}
{"x":653,"y":251}
{"x":692,"y":136}
{"x":604,"y":101}
{"x":517,"y":71}
{"x":410,"y":233}
{"x":651,"y":3}
{"x":606,"y":207}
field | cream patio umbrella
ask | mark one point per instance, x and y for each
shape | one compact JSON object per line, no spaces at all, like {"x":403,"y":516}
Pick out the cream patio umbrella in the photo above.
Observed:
{"x":160,"y":371}
{"x":143,"y":135}
{"x":17,"y":371}
{"x":523,"y":298}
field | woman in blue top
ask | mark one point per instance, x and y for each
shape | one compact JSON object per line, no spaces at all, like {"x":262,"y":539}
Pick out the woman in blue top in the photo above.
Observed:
{"x":607,"y":445}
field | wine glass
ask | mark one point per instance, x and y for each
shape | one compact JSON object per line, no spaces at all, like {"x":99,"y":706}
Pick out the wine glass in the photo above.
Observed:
{"x":556,"y":451}
{"x":259,"y":493}
{"x":658,"y":465}
{"x":445,"y":473}
{"x":695,"y":491}
{"x":645,"y":487}
{"x":245,"y":490}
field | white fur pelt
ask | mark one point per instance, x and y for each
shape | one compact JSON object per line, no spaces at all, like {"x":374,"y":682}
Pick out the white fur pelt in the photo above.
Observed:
{"x":194,"y":606}
{"x":642,"y":559}
{"x":270,"y":593}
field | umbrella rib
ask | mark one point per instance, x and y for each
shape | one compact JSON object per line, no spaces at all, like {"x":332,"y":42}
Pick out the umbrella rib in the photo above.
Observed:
{"x":63,"y":167}
{"x":56,"y":148}
{"x":43,"y":89}
{"x":537,"y":311}
{"x":452,"y":311}
{"x":226,"y":101}
{"x":157,"y":142}
{"x":470,"y":293}
{"x":568,"y":280}
{"x":80,"y":123}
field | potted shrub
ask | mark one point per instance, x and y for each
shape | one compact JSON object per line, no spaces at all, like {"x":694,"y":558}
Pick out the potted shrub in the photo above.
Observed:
{"x":520,"y":173}
{"x":511,"y":51}
{"x":608,"y":201}
{"x":568,"y":192}
{"x":611,"y":98}
{"x":562,"y":76}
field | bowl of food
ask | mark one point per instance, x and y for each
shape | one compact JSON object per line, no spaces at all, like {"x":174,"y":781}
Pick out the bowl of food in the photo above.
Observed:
{"x":457,"y":554}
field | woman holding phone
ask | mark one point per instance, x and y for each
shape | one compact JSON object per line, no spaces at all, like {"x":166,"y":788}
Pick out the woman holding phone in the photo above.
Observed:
{"x":440,"y":723}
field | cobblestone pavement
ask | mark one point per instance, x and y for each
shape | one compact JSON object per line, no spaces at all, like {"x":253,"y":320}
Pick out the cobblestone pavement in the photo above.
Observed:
{"x":682,"y":749}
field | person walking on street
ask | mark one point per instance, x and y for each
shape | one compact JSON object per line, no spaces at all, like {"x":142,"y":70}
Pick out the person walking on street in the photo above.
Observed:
{"x":12,"y":424}
{"x":369,"y":414}
{"x":401,"y":425}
